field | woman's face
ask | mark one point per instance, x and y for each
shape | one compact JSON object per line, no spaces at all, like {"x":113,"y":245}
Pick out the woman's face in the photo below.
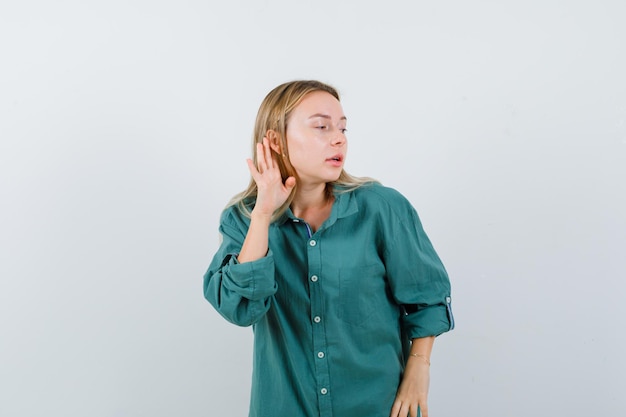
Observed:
{"x":316,"y":138}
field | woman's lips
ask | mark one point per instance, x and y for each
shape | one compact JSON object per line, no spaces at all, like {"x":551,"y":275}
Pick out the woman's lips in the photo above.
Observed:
{"x":336,"y":160}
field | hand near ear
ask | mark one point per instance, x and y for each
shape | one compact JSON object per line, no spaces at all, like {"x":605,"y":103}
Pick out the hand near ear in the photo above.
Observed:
{"x":272,"y":192}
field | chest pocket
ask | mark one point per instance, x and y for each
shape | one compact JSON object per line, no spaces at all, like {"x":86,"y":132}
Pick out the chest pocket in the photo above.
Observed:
{"x":361,"y":293}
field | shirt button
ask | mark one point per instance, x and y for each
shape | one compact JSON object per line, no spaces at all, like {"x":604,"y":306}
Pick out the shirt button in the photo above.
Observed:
{"x":312,"y":243}
{"x":314,"y":278}
{"x":320,"y":355}
{"x":317,"y":319}
{"x":324,"y":391}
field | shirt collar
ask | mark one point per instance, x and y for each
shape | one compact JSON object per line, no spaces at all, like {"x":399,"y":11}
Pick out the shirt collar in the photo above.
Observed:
{"x":344,"y":205}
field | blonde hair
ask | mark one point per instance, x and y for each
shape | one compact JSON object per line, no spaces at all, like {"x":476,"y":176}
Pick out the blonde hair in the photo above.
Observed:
{"x":273,"y":115}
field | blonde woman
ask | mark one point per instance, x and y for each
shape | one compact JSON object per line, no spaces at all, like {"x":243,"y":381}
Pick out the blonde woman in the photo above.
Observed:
{"x":335,"y":273}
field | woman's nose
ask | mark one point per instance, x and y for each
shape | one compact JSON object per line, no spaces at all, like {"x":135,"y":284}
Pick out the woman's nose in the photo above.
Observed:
{"x":339,"y":138}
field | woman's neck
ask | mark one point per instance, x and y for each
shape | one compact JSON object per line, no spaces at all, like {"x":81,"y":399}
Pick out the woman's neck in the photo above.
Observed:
{"x":312,"y":205}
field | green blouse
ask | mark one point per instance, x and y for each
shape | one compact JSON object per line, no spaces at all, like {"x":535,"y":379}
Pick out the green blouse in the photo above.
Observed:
{"x":333,"y":312}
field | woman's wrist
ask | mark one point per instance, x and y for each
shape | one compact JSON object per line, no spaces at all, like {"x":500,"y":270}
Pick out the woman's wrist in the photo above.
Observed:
{"x":425,"y":359}
{"x":260,"y":216}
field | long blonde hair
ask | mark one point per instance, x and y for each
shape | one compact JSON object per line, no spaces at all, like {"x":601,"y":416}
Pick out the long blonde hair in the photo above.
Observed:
{"x":273,"y":115}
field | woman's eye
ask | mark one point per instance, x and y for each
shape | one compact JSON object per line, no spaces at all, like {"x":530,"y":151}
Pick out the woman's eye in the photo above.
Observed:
{"x":344,"y":131}
{"x":321,"y":127}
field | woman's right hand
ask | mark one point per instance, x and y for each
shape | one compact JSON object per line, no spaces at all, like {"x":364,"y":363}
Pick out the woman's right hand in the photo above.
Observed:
{"x":272,"y":192}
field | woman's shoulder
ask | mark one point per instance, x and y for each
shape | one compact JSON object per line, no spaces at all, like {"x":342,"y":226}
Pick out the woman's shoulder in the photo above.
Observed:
{"x":387,"y":204}
{"x":378,"y":194}
{"x":237,"y":214}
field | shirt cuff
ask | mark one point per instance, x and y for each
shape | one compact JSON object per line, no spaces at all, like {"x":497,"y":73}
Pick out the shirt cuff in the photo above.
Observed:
{"x":253,"y":280}
{"x":429,"y":321}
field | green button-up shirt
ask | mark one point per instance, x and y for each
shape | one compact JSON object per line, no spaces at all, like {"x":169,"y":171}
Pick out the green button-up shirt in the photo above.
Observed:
{"x":334,"y":311}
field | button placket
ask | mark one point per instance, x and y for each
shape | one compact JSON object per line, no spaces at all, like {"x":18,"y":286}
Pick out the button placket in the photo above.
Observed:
{"x":320,"y":345}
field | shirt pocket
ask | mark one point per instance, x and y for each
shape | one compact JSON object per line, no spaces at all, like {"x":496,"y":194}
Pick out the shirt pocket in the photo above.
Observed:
{"x":361,"y":292}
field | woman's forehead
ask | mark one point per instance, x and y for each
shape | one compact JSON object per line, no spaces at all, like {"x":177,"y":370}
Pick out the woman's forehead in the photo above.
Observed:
{"x":319,"y":104}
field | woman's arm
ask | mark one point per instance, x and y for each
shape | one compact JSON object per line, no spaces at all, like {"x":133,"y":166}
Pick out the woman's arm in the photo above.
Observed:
{"x":413,"y":390}
{"x":240,"y":292}
{"x":272,"y":193}
{"x":240,"y":281}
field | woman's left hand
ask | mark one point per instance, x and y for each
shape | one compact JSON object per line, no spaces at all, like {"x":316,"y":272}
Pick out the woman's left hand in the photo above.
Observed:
{"x":413,"y":390}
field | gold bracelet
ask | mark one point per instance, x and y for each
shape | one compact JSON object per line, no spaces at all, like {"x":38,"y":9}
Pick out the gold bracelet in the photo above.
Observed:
{"x":424,"y":358}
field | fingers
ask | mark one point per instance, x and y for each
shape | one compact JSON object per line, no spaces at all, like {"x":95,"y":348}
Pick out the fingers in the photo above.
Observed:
{"x":252,"y":168}
{"x":260,"y":158}
{"x":396,"y":410}
{"x":265,"y":159}
{"x":401,"y":409}
{"x":269,"y":157}
{"x":266,"y":171}
{"x":290,"y":183}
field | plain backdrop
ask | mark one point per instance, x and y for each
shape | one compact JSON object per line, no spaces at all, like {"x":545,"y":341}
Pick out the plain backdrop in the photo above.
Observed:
{"x":124,"y":128}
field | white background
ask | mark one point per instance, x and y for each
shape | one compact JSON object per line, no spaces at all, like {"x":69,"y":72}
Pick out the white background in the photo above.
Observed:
{"x":124,"y":129}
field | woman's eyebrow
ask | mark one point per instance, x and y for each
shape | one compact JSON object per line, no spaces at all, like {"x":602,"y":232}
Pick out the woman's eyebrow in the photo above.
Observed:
{"x":325,"y":116}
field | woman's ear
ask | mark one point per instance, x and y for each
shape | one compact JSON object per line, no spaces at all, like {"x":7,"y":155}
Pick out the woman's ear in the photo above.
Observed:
{"x":274,"y":140}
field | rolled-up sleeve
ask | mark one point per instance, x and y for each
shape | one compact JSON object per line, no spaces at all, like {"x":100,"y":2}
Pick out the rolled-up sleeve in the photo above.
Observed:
{"x":240,"y":292}
{"x":418,"y":279}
